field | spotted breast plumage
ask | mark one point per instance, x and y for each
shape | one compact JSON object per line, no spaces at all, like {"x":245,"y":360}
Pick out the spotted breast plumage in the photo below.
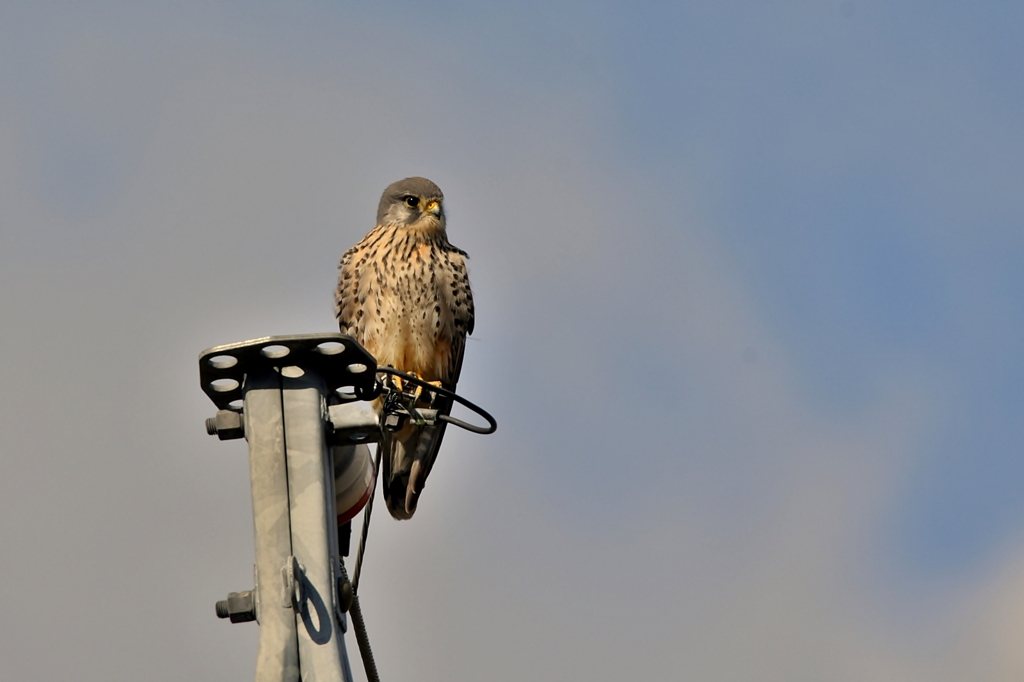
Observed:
{"x":403,"y":293}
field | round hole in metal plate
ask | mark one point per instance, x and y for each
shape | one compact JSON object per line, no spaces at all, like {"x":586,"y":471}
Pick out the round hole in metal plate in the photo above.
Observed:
{"x":235,"y":404}
{"x":292,"y":371}
{"x":347,"y":392}
{"x":275,"y":351}
{"x":224,"y":385}
{"x":357,"y":437}
{"x":357,"y":368}
{"x":330,"y":348}
{"x":223,"y":361}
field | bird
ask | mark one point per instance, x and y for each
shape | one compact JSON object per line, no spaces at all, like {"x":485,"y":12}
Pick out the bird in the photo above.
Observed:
{"x":403,"y":294}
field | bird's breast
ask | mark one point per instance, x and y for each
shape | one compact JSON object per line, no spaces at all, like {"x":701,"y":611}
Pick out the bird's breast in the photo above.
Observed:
{"x":415,"y":324}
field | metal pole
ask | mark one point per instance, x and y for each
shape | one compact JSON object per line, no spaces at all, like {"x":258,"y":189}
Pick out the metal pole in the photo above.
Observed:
{"x":278,"y":657}
{"x":285,"y":386}
{"x":314,"y":528}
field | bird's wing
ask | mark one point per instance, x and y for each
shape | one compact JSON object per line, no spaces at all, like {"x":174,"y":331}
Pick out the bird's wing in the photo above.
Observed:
{"x":465,"y":316}
{"x":424,"y":442}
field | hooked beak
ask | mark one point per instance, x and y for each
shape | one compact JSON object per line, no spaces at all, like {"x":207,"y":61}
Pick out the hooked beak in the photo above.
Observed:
{"x":434,"y":208}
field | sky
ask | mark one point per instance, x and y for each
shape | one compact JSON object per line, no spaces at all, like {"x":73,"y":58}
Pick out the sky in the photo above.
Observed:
{"x":749,"y":315}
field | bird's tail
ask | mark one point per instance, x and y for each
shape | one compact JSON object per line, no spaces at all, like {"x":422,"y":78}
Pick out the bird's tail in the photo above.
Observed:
{"x":409,"y":455}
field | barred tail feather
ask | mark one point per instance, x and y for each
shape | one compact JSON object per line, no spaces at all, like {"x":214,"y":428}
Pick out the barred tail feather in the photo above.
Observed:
{"x":409,"y":457}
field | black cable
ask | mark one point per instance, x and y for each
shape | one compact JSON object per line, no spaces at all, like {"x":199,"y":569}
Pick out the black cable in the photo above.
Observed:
{"x":352,"y":607}
{"x":366,"y":516}
{"x":492,"y":425}
{"x":363,"y":640}
{"x":369,"y":665}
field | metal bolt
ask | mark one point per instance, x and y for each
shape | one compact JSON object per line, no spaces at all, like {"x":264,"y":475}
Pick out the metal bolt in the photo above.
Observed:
{"x":227,"y":424}
{"x":393,"y":422}
{"x":344,"y":593}
{"x":240,"y":607}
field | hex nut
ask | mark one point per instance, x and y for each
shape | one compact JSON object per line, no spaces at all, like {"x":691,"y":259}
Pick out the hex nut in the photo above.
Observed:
{"x":227,"y":425}
{"x":240,"y":607}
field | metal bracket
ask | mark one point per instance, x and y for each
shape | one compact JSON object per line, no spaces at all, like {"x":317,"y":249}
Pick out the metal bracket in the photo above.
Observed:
{"x":293,"y":574}
{"x":354,"y":423}
{"x":347,"y":368}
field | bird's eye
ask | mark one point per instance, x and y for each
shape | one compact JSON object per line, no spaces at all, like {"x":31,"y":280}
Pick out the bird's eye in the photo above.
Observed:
{"x":412,"y":201}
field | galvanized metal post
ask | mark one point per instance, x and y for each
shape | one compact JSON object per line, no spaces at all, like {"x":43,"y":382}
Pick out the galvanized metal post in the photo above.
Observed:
{"x":286,"y":386}
{"x":278,"y":656}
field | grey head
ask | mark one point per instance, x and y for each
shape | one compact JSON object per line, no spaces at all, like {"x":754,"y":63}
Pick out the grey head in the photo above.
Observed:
{"x":412,"y":202}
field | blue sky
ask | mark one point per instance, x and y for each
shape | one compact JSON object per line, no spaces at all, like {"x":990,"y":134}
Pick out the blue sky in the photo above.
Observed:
{"x":750,"y":317}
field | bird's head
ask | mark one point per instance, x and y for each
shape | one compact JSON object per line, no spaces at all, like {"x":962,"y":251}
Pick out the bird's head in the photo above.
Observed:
{"x":413,"y":203}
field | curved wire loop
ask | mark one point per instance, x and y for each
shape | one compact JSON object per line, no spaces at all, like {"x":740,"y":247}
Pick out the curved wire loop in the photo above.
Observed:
{"x":492,"y":425}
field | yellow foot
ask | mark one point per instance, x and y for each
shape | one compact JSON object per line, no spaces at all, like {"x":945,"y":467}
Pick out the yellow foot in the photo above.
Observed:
{"x":433,"y":396}
{"x":414,"y":390}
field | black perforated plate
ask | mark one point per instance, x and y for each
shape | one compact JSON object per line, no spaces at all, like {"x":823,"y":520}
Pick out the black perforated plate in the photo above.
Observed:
{"x":345,"y":366}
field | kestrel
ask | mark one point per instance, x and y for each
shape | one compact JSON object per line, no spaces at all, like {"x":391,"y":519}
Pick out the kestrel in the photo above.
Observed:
{"x":403,"y":294}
